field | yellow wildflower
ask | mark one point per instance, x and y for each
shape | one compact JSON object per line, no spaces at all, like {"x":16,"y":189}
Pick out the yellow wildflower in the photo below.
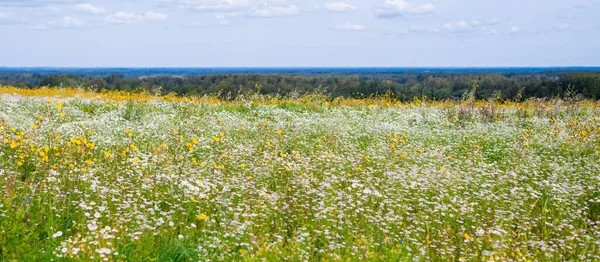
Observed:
{"x":202,"y":217}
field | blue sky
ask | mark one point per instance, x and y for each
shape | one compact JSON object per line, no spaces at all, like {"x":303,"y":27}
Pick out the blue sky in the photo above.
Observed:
{"x":348,"y":33}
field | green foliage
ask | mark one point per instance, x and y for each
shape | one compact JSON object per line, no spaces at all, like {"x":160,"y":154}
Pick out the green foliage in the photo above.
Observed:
{"x":405,"y":87}
{"x":132,"y":112}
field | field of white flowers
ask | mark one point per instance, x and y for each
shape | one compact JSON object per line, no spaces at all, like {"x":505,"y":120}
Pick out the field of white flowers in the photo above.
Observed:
{"x":91,"y":179}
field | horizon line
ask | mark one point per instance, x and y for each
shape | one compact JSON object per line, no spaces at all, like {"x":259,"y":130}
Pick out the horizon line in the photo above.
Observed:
{"x":287,"y":67}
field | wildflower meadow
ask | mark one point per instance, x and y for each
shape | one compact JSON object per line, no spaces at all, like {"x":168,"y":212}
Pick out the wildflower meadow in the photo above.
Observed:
{"x":116,"y":176}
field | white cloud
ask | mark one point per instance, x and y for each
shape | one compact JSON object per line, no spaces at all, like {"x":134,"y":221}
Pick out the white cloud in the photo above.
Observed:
{"x":515,"y":29}
{"x":226,"y":9}
{"x":69,"y":21}
{"x":425,"y":30}
{"x":200,"y":5}
{"x":402,"y":8}
{"x":4,"y":15}
{"x":462,"y":27}
{"x":89,"y":8}
{"x":154,"y":16}
{"x":130,"y":17}
{"x":339,"y":7}
{"x":273,"y":11}
{"x":224,"y":18}
{"x":124,"y":18}
{"x":563,"y":26}
{"x":470,"y":27}
{"x":351,"y":27}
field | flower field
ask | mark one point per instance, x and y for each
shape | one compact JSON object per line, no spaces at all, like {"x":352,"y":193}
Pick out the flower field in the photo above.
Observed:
{"x":132,"y":177}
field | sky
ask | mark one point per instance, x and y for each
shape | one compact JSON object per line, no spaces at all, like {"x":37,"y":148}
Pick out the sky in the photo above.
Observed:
{"x":299,"y":33}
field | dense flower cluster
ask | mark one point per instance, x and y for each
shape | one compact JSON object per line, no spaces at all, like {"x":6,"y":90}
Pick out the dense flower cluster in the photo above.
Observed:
{"x":117,"y":176}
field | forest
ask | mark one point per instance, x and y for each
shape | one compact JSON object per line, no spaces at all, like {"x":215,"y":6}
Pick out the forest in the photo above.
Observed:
{"x":402,"y":86}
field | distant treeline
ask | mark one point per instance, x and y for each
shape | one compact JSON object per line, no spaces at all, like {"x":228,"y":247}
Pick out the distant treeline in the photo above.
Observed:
{"x":407,"y":86}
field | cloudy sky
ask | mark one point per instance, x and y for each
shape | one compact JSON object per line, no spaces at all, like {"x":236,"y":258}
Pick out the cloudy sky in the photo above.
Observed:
{"x":266,"y":33}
